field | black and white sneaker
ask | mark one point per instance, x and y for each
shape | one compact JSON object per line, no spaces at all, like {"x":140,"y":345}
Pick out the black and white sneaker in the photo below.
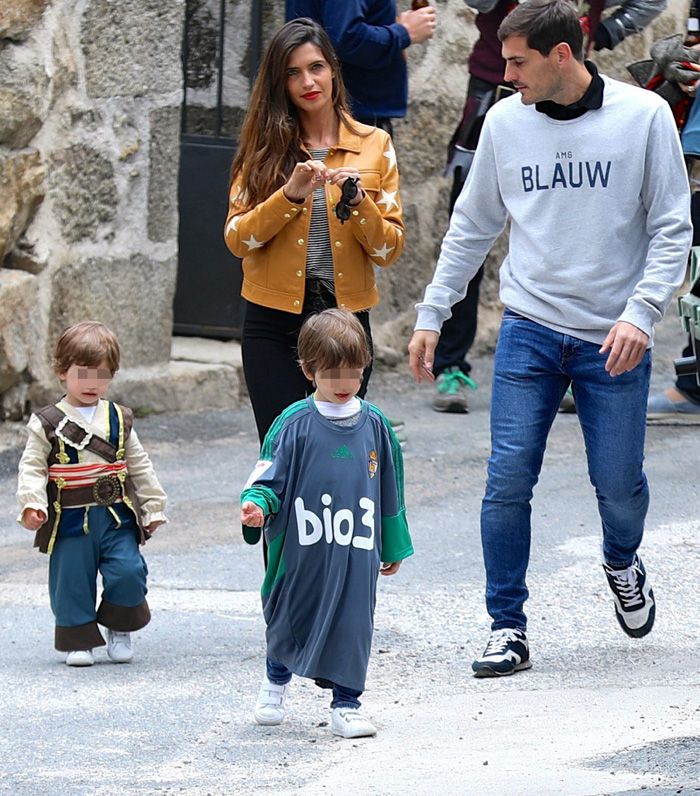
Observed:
{"x":505,"y":653}
{"x":634,"y":599}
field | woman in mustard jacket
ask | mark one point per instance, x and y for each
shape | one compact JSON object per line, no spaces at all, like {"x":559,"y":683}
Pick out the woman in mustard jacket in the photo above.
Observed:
{"x":298,"y":146}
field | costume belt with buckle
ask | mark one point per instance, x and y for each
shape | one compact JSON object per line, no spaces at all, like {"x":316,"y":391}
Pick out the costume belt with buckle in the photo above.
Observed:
{"x":84,"y":485}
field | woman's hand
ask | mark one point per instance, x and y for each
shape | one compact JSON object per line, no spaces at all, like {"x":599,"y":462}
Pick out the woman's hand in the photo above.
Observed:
{"x":305,"y":178}
{"x":338,"y":177}
{"x":33,"y":519}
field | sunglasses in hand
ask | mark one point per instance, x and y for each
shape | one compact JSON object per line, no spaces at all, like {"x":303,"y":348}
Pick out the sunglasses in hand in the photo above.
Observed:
{"x":349,"y":192}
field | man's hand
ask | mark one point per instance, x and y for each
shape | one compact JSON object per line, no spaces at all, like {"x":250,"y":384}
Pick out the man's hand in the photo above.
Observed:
{"x":390,"y":569}
{"x":626,"y":344}
{"x":252,"y":515}
{"x":33,"y":519}
{"x":152,"y":526}
{"x":422,"y":354}
{"x":420,"y":24}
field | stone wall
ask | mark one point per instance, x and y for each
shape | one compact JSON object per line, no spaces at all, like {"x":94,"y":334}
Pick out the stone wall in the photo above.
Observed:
{"x":90,"y":95}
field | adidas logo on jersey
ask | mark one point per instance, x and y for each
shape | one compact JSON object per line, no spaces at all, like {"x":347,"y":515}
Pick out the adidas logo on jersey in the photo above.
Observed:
{"x":343,"y":452}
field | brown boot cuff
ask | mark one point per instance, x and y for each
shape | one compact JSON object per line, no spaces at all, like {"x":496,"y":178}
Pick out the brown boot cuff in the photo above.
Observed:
{"x":122,"y":619}
{"x":82,"y":637}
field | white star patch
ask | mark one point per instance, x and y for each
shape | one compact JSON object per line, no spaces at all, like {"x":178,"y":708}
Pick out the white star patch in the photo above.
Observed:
{"x":251,"y":243}
{"x":390,"y":154}
{"x":233,"y":224}
{"x":382,"y":252}
{"x":388,"y":199}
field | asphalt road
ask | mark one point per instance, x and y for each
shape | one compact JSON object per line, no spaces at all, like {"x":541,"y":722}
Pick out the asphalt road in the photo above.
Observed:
{"x":597,"y":714}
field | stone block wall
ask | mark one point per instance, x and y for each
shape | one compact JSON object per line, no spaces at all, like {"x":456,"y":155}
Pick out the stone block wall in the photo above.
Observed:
{"x":90,"y":97}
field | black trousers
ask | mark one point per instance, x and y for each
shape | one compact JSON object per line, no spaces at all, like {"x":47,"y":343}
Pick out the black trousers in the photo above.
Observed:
{"x":269,"y":347}
{"x":459,"y":330}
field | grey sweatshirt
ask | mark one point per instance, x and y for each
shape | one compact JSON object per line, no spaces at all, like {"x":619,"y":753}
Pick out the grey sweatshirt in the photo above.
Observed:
{"x":599,"y":209}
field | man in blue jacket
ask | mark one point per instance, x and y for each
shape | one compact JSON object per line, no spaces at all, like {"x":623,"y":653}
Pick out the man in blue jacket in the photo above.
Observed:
{"x":369,"y":40}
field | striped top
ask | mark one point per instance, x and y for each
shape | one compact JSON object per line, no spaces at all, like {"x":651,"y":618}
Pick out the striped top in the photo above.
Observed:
{"x":319,"y":258}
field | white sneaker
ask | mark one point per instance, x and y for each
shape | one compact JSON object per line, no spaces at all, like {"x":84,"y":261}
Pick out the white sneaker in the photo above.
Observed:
{"x":119,"y":646}
{"x":80,"y":658}
{"x":350,"y":723}
{"x":269,"y":709}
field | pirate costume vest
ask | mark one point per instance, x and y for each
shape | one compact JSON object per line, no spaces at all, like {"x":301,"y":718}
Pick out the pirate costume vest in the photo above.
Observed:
{"x":74,"y":486}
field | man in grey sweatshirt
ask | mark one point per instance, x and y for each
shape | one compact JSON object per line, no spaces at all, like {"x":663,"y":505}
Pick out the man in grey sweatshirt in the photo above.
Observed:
{"x":590,"y":172}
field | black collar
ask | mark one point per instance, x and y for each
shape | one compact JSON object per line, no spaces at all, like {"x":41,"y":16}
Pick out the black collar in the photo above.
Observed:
{"x":590,"y":101}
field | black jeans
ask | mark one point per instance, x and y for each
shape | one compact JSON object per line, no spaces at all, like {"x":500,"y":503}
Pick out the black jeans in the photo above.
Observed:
{"x":269,"y":347}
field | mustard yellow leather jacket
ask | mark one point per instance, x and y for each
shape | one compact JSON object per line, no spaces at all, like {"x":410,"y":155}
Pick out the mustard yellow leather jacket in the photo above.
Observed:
{"x":272,"y":238}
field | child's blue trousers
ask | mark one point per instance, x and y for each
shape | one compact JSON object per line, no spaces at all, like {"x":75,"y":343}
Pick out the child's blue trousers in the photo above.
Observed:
{"x":111,"y":549}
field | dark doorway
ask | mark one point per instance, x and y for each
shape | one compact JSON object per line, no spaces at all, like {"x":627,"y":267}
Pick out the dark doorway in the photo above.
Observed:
{"x":207,"y":296}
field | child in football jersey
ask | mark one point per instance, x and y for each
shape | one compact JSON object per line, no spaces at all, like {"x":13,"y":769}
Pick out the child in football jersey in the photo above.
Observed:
{"x":328,"y":489}
{"x":88,"y":490}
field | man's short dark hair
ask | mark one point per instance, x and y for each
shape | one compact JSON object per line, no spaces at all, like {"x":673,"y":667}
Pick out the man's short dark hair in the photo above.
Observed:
{"x":544,"y":24}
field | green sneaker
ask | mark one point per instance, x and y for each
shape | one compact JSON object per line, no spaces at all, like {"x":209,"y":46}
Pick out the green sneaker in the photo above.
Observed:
{"x":567,"y":405}
{"x":451,"y":391}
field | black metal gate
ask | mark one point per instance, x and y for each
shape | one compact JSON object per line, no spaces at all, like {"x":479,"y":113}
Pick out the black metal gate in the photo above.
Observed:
{"x":207,"y":296}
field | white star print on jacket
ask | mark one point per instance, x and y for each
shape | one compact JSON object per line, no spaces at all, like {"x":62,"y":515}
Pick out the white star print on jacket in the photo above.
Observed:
{"x":390,"y":155}
{"x":252,"y":243}
{"x":383,"y":251}
{"x":388,"y":199}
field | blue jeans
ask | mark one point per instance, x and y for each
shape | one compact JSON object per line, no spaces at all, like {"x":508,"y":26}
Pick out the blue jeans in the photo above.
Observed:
{"x":533,"y":367}
{"x":342,"y":697}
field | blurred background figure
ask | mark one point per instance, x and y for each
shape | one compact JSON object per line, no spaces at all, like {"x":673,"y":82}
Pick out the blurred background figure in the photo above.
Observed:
{"x":369,"y":39}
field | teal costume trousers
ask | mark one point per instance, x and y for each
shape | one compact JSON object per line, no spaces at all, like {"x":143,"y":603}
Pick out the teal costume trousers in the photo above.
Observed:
{"x":111,"y":549}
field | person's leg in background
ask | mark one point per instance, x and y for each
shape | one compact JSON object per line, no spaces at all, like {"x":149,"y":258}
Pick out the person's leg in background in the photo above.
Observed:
{"x":451,"y":367}
{"x":682,"y":401}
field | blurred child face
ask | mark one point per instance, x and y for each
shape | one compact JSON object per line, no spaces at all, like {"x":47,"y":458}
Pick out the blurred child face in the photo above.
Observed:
{"x":337,"y":386}
{"x":86,"y":384}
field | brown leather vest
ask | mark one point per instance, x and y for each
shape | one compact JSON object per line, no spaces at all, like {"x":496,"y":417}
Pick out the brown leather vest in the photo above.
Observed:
{"x":50,"y":418}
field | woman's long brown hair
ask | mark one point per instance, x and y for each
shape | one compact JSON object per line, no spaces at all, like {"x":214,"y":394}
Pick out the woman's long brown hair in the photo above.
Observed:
{"x":269,"y":145}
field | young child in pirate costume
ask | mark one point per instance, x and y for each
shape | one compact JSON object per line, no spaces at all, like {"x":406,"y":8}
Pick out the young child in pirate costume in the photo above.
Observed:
{"x":88,"y":489}
{"x":329,"y":490}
